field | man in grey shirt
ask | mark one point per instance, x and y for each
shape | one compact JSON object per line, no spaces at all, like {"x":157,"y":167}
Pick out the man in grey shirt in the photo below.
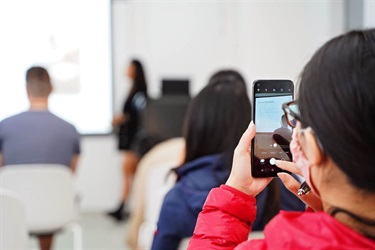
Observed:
{"x":37,"y":135}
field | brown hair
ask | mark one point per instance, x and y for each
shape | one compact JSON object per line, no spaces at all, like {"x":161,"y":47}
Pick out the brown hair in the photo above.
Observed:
{"x":38,"y":82}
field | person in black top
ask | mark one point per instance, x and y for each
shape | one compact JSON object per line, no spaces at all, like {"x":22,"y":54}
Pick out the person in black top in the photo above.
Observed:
{"x":127,"y":125}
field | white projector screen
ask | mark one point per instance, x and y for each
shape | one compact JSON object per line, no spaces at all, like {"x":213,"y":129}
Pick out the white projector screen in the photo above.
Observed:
{"x":72,"y":39}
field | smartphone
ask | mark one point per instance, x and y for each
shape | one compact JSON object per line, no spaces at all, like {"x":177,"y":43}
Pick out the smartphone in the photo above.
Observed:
{"x":273,"y":135}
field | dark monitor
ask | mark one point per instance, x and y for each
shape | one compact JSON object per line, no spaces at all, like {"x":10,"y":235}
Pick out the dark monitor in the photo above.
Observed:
{"x":175,"y":87}
{"x":164,"y":117}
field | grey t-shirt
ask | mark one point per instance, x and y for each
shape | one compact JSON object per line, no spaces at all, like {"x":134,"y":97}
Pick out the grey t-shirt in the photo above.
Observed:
{"x":37,"y":137}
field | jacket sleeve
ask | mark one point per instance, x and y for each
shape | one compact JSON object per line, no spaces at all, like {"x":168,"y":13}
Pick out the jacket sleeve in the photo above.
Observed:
{"x":225,"y":220}
{"x":167,"y":236}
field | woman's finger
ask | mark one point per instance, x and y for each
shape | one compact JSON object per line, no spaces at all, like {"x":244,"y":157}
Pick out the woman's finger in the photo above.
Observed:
{"x":289,"y":182}
{"x":245,"y":141}
{"x":289,"y":166}
{"x":293,"y":185}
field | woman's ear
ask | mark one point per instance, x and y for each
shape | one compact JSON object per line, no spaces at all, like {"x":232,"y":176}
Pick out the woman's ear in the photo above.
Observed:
{"x":312,"y":150}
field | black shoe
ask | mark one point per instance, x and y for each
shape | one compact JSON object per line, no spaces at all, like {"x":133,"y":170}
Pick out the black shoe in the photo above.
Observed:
{"x":119,"y":217}
{"x":119,"y":214}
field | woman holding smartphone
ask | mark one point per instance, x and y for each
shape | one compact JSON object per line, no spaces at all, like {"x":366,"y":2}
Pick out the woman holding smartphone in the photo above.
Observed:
{"x":333,"y":145}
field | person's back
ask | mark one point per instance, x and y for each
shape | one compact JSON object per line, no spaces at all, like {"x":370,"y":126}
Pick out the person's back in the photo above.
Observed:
{"x":184,"y":201}
{"x":213,"y":123}
{"x":37,"y":137}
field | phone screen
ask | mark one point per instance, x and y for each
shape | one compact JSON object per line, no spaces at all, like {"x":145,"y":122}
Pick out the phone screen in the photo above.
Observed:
{"x":273,"y":134}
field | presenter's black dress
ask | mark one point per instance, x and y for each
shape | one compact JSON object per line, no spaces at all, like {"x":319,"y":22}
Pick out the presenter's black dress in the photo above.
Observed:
{"x":128,"y":130}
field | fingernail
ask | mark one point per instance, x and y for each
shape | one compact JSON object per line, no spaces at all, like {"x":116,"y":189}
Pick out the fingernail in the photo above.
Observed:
{"x":281,"y":176}
{"x":278,"y":162}
{"x":251,"y":125}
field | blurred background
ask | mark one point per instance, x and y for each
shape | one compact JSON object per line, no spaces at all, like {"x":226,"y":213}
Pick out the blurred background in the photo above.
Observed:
{"x":173,"y":39}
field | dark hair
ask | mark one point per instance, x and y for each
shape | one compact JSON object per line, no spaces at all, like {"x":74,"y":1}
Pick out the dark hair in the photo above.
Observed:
{"x":139,"y":82}
{"x":337,"y":99}
{"x":228,"y":75}
{"x":217,"y":117}
{"x":38,"y":81}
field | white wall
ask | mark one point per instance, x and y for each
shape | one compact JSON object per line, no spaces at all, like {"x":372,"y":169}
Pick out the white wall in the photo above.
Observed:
{"x":369,"y":14}
{"x":262,"y":39}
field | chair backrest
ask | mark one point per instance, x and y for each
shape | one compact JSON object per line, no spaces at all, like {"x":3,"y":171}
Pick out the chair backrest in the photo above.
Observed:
{"x":13,"y":224}
{"x":168,"y":153}
{"x":184,"y":243}
{"x":47,"y":191}
{"x":159,"y":182}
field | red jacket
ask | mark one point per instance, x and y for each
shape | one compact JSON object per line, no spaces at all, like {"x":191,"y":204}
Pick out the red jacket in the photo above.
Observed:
{"x":225,"y":223}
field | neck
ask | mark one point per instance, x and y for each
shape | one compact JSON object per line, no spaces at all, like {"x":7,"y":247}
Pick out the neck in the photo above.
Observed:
{"x":38,"y":103}
{"x":338,"y":194}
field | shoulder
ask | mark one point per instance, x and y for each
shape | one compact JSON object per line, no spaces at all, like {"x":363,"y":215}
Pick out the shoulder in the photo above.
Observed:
{"x":174,"y":196}
{"x":64,"y":128}
{"x":61,"y":121}
{"x":182,"y":200}
{"x":172,"y":207}
{"x":205,"y":163}
{"x":14,"y":120}
{"x":139,"y":100}
{"x":304,"y":230}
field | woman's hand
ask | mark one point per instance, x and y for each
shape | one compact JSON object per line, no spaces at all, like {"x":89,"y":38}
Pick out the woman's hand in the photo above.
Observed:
{"x":118,"y":120}
{"x":240,"y":177}
{"x":293,"y":185}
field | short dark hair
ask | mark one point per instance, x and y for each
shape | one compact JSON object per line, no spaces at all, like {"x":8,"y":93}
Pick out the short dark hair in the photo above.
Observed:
{"x":217,"y":117}
{"x":38,"y":81}
{"x":337,"y":100}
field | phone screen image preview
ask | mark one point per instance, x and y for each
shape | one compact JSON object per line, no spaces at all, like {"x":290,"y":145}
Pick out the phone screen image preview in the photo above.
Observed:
{"x":273,"y":134}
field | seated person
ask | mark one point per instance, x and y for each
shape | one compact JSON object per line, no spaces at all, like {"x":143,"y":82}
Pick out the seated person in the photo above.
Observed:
{"x":333,"y":147}
{"x":37,"y":135}
{"x":212,"y":129}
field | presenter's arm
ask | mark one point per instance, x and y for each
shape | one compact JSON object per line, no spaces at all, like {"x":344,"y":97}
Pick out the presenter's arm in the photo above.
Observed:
{"x":74,"y":162}
{"x":119,"y":119}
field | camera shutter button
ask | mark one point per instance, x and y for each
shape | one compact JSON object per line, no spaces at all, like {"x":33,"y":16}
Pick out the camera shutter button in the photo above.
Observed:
{"x":272,"y":161}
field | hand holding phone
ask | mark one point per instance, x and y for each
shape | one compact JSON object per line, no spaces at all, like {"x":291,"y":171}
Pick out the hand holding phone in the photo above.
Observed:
{"x":273,"y":134}
{"x":240,"y":177}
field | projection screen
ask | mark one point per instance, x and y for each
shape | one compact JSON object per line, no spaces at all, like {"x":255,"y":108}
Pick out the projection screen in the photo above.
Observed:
{"x":72,"y":39}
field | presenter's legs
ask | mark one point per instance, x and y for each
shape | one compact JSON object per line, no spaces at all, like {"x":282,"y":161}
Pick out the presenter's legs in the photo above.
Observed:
{"x":131,"y":160}
{"x":130,"y":163}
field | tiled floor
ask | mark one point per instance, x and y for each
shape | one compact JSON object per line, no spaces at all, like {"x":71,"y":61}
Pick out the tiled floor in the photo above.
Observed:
{"x":99,"y":233}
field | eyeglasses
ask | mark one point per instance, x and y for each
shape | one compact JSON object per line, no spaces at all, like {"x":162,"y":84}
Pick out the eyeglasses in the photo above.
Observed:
{"x":291,"y":111}
{"x":292,"y":115}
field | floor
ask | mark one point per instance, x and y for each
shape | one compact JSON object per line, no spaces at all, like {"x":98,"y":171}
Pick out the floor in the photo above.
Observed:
{"x":99,"y":232}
